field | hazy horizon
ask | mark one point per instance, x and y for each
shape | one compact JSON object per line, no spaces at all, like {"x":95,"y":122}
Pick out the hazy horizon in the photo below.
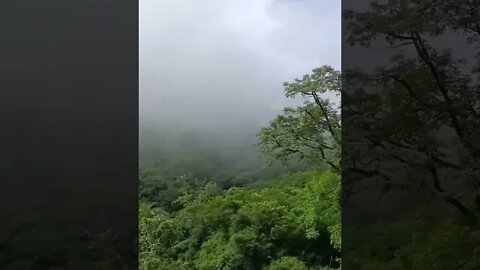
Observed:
{"x":216,"y":67}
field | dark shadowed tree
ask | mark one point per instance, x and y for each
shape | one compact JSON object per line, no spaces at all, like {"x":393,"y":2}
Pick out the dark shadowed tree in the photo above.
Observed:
{"x":410,"y":134}
{"x":421,"y":111}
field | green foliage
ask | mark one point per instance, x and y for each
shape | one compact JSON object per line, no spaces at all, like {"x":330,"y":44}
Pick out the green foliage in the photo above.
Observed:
{"x":287,"y":263}
{"x":244,"y":228}
{"x":247,"y":217}
{"x":310,"y":132}
{"x":162,"y":183}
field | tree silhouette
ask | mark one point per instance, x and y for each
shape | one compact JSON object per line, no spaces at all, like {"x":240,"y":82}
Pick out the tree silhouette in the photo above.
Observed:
{"x":416,"y":118}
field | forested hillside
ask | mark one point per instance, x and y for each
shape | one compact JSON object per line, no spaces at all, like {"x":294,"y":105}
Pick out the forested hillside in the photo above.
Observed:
{"x":410,"y":188}
{"x":272,"y":203}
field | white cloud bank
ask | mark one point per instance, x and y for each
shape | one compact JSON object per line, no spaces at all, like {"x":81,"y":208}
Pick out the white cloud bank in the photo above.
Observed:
{"x":223,"y":62}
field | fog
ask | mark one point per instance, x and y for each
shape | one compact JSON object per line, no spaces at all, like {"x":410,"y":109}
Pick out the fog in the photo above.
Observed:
{"x":217,"y":66}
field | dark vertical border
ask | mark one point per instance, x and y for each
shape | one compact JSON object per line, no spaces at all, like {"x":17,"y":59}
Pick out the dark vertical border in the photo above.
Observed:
{"x":69,"y":135}
{"x":411,"y":124}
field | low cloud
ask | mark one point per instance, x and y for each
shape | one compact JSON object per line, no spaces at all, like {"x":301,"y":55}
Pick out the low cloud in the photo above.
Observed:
{"x":220,"y":64}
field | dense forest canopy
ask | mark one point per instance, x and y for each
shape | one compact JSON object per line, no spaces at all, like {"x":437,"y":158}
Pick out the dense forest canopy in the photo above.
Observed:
{"x":410,"y":128}
{"x":237,"y":208}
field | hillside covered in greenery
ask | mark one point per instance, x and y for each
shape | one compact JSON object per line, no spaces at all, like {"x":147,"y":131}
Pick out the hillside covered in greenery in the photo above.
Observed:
{"x":410,"y":186}
{"x":229,"y":207}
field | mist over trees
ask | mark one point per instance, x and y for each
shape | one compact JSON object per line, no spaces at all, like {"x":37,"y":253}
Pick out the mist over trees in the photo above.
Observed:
{"x":410,"y":191}
{"x":286,"y":215}
{"x":215,"y":191}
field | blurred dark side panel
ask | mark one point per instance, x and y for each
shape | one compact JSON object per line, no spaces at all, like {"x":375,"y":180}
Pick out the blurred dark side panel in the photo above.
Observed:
{"x":411,"y":119}
{"x":69,"y":134}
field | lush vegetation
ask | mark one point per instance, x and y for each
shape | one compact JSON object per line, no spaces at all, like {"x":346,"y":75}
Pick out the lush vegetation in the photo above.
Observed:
{"x":208,"y":210}
{"x":411,"y":131}
{"x":294,"y":222}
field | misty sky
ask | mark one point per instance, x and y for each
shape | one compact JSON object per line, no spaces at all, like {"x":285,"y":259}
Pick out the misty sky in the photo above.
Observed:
{"x":221,"y":63}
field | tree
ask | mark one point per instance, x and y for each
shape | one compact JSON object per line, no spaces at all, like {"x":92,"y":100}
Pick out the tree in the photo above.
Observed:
{"x":247,"y":229}
{"x":287,"y":263}
{"x":414,"y":122}
{"x":411,"y":126}
{"x":310,"y":132}
{"x":292,"y":224}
